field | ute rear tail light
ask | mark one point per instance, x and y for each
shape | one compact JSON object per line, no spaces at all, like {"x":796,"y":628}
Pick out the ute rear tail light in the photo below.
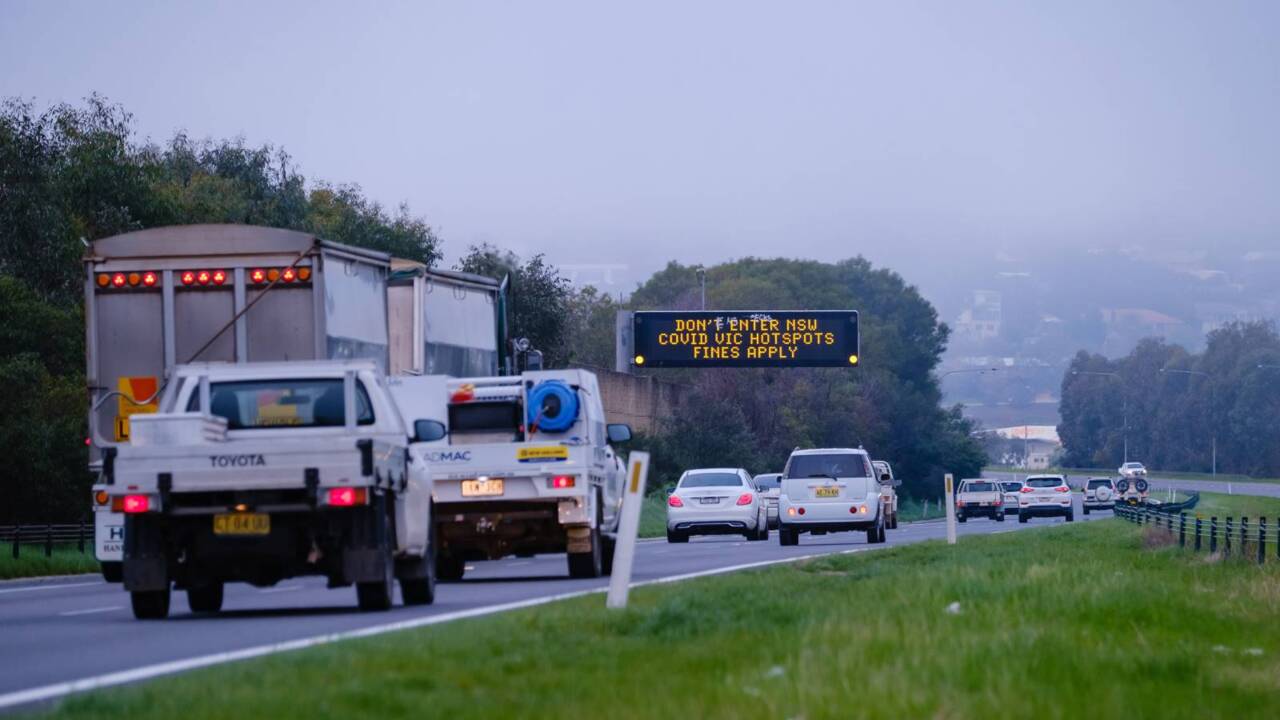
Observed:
{"x":675,"y":501}
{"x":744,"y":499}
{"x":959,"y":503}
{"x":131,"y":504}
{"x":560,"y":482}
{"x":347,"y":496}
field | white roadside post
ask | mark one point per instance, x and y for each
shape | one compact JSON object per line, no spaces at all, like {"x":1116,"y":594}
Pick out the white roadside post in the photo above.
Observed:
{"x":951,"y":510}
{"x":625,"y":551}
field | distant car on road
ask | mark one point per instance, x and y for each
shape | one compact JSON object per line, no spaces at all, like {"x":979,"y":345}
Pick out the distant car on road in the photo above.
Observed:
{"x":1045,"y":496}
{"x":1011,"y":489}
{"x":770,"y":486}
{"x":829,"y":490}
{"x":888,"y":492}
{"x":716,"y":501}
{"x":1099,"y":494}
{"x":1132,"y":471}
{"x":980,"y":498}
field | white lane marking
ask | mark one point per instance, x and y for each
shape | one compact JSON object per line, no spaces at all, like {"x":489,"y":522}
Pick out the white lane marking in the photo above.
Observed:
{"x":284,"y":588}
{"x":49,"y":587}
{"x":90,"y":611}
{"x":147,"y":672}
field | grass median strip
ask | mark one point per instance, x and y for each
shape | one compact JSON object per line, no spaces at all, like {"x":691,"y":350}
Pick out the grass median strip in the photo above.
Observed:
{"x":32,"y":562}
{"x":1059,"y":622}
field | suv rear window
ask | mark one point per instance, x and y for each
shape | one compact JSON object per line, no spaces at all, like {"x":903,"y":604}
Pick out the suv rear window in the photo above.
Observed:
{"x":259,"y":404}
{"x":1011,"y":486}
{"x":978,"y":487}
{"x":838,"y":465}
{"x":1094,"y":484}
{"x":1044,"y":482}
{"x":711,"y":479}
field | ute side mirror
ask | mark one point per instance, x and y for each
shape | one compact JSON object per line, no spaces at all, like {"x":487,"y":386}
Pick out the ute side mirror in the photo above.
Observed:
{"x":619,"y":432}
{"x":886,"y":479}
{"x":429,"y":431}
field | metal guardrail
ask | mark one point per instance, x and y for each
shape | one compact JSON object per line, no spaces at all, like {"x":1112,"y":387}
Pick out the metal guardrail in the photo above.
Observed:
{"x":1228,"y":535}
{"x":47,"y":535}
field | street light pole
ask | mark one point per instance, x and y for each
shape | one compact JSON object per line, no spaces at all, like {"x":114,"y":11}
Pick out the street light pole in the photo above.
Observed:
{"x":1212,"y":406}
{"x":702,"y":281}
{"x":1124,"y":401}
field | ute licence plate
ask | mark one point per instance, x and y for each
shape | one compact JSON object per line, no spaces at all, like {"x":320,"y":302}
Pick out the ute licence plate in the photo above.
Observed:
{"x":482,"y":488}
{"x":828,"y":492}
{"x":242,"y":524}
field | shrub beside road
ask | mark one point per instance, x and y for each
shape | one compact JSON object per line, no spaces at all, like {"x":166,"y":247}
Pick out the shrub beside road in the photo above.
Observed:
{"x":31,"y":562}
{"x":1096,"y":620}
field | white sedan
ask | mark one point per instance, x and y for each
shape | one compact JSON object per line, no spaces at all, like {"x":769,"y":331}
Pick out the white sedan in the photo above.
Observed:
{"x":716,"y":501}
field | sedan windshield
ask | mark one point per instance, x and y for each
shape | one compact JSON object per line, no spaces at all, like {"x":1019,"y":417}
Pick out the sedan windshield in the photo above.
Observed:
{"x":836,"y":465}
{"x":711,"y":479}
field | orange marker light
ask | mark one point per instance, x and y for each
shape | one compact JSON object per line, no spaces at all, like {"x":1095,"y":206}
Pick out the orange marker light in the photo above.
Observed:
{"x":134,"y":278}
{"x":273,"y":274}
{"x":304,"y":274}
{"x":104,"y":280}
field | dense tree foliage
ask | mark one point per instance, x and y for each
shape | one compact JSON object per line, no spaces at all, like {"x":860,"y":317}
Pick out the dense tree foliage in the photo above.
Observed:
{"x":72,"y":173}
{"x":1231,"y":393}
{"x":889,"y":404}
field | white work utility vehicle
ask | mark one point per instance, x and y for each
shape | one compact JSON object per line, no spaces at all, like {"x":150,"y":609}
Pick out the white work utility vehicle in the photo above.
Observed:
{"x":526,"y":467}
{"x":258,"y":472}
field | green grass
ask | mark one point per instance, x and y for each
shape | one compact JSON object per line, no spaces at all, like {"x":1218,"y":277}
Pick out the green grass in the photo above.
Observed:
{"x":66,"y":560}
{"x":1110,"y":472}
{"x":1097,"y":619}
{"x":653,"y":516}
{"x":1250,"y":506}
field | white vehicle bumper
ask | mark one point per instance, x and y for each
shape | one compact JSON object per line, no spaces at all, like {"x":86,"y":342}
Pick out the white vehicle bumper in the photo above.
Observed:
{"x":725,"y":519}
{"x":828,"y":514}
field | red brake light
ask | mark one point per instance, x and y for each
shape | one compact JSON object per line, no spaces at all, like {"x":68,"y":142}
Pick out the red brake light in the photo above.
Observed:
{"x":1062,"y":488}
{"x":1027,"y":489}
{"x":150,"y":279}
{"x":136,"y":504}
{"x":258,"y":275}
{"x":219,"y":277}
{"x":203,"y":277}
{"x":347,"y":497}
{"x":744,"y":499}
{"x":288,"y":275}
{"x":188,"y":278}
{"x":675,"y":501}
{"x":999,"y":502}
{"x":560,"y":482}
{"x":959,"y":503}
{"x":118,"y":280}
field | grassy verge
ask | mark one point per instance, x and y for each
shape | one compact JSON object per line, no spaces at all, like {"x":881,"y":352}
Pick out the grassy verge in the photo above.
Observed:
{"x":66,"y":560}
{"x":1237,"y":505}
{"x":1099,"y":621}
{"x":653,"y":516}
{"x":1110,"y":472}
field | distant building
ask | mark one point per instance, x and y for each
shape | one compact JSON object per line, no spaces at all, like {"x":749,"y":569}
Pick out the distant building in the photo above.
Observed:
{"x":1031,"y":446}
{"x":983,"y":319}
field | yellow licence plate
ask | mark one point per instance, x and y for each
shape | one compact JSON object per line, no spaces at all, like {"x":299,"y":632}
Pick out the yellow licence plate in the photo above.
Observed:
{"x":828,"y":492}
{"x":242,"y":524}
{"x":482,"y":488}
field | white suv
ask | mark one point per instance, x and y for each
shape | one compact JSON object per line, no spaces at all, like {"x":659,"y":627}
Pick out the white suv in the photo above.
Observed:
{"x":1045,"y":495}
{"x":1099,"y":494}
{"x":829,"y":490}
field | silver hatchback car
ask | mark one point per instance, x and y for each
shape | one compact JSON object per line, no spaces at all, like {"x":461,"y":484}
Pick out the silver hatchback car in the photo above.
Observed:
{"x":716,"y":501}
{"x":770,"y":486}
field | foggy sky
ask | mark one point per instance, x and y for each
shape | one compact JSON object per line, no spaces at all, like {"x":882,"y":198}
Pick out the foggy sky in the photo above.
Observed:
{"x":912,"y":133}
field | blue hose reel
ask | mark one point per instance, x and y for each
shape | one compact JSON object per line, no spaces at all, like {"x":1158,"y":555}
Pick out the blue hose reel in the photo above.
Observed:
{"x":553,"y":406}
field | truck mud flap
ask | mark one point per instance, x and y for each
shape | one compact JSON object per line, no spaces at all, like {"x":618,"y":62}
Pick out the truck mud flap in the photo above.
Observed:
{"x":145,"y":565}
{"x":579,"y":539}
{"x":364,"y":565}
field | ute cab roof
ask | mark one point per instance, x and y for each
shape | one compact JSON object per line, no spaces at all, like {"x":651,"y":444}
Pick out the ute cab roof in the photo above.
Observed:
{"x":830,"y":451}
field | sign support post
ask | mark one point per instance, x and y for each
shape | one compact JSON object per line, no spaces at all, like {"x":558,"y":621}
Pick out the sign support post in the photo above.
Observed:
{"x":950,"y":500}
{"x":625,"y":551}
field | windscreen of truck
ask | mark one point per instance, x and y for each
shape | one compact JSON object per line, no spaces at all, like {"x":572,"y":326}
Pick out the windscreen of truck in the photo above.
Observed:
{"x":836,"y":465}
{"x":258,"y":404}
{"x":711,"y":479}
{"x":979,"y":487}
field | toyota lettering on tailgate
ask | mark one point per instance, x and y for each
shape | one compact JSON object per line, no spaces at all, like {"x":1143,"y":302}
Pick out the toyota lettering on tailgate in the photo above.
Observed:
{"x":222,"y":461}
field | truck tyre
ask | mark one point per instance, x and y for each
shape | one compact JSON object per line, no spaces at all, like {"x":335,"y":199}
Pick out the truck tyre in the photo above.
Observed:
{"x":1000,"y":517}
{"x":786,"y":536}
{"x":422,"y":590}
{"x":150,"y":604}
{"x":588,"y":564}
{"x":375,"y":596}
{"x":113,"y":572}
{"x":610,"y":547}
{"x":960,"y":517}
{"x":876,"y":534}
{"x":450,"y":568}
{"x":893,"y":520}
{"x":206,"y":598}
{"x":675,"y":536}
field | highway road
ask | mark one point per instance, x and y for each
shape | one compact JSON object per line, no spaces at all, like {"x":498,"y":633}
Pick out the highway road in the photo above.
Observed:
{"x":74,"y":633}
{"x":1163,"y":484}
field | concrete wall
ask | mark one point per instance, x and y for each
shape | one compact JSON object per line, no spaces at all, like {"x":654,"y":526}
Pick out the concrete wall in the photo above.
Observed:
{"x":641,"y":402}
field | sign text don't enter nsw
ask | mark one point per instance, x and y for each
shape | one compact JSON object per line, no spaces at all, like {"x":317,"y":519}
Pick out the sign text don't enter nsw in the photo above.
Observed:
{"x":739,"y":338}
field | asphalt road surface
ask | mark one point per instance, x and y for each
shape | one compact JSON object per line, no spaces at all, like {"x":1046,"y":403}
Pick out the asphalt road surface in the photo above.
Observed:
{"x":68,"y":634}
{"x":1162,"y":484}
